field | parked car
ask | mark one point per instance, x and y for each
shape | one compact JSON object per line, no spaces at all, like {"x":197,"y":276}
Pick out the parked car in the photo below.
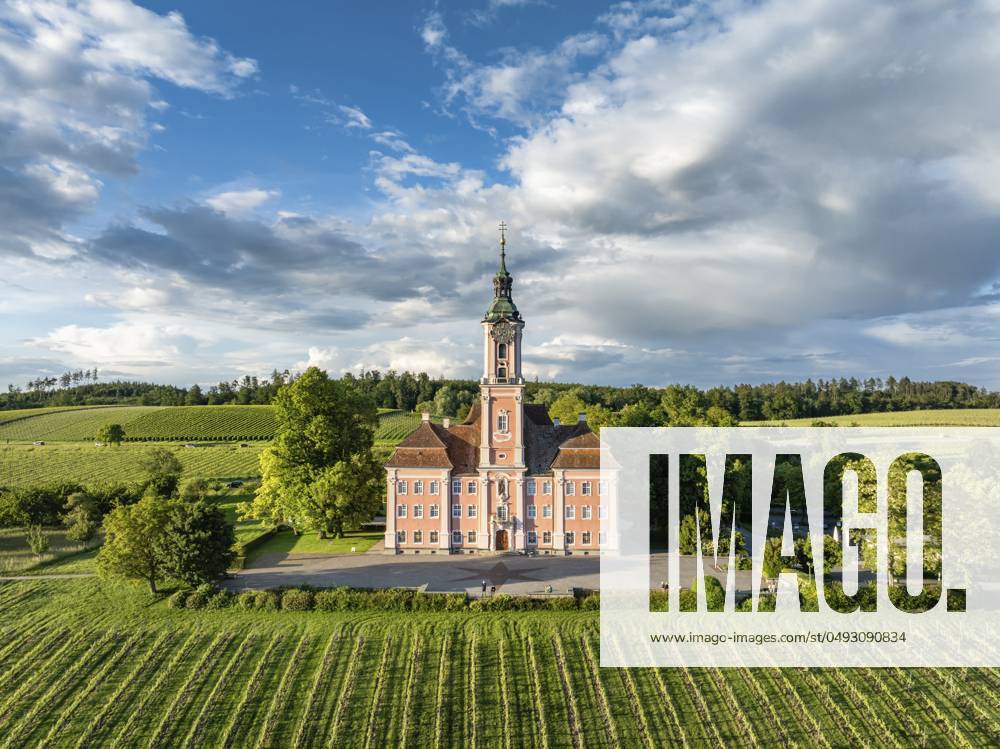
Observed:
{"x":234,"y":484}
{"x":39,"y":442}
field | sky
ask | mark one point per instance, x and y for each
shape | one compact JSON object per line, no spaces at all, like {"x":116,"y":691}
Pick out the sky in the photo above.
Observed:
{"x":697,"y":192}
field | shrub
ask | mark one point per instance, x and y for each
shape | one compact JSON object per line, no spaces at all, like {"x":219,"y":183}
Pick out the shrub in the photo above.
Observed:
{"x":337,"y":599}
{"x":247,"y":600}
{"x":454,"y":601}
{"x":196,"y":600}
{"x":296,"y":599}
{"x":221,"y":599}
{"x":591,"y":602}
{"x":659,"y":600}
{"x":38,"y":542}
{"x":177,"y":599}
{"x":562,"y":603}
{"x":266,"y":600}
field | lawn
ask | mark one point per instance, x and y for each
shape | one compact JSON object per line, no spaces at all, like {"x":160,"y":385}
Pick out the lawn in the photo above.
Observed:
{"x":15,"y":556}
{"x":30,"y":465}
{"x":286,"y":542}
{"x":89,"y":664}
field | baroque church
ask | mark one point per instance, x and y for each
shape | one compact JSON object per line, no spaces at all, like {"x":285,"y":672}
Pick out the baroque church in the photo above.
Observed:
{"x":506,"y":479}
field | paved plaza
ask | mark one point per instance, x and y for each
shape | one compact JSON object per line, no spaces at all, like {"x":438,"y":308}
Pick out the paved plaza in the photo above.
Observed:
{"x":513,"y":574}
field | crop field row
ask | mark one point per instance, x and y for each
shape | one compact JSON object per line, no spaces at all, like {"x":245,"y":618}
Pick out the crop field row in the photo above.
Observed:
{"x":959,"y":417}
{"x":72,"y":424}
{"x":142,"y":422}
{"x":233,"y":679}
{"x":30,"y":465}
{"x":28,"y":413}
{"x":395,"y":425}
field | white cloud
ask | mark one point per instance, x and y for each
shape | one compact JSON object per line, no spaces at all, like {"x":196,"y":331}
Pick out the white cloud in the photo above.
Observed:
{"x":241,"y":202}
{"x":354,"y":117}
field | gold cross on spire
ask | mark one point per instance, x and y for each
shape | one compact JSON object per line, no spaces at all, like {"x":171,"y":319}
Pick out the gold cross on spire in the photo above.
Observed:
{"x":503,"y":235}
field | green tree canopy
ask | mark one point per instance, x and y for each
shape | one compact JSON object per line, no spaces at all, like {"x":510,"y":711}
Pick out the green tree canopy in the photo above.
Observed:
{"x":163,"y":471}
{"x":131,"y":536}
{"x":196,"y":545}
{"x":319,"y":472}
{"x":112,"y":434}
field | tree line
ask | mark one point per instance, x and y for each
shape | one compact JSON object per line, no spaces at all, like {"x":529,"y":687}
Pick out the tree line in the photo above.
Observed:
{"x":634,"y":405}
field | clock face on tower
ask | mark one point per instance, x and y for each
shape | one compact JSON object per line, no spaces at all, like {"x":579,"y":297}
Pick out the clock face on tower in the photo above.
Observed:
{"x":503,"y":332}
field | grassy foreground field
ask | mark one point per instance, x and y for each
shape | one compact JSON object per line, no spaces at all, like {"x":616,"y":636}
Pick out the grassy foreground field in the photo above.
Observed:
{"x":28,"y":465}
{"x":959,"y":417}
{"x":83,"y":664}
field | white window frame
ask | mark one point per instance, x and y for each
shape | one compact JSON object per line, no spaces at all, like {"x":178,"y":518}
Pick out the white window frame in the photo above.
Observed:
{"x":418,"y":486}
{"x":401,"y":536}
{"x":531,"y":487}
{"x":503,"y":422}
{"x":532,"y":511}
{"x":456,"y":486}
{"x":401,"y":487}
{"x":502,"y":512}
{"x":533,"y":538}
{"x":547,"y":537}
{"x":433,"y":537}
{"x":585,"y":538}
{"x":585,"y":488}
{"x":470,"y":487}
{"x":418,"y":536}
{"x":435,"y":488}
{"x":472,"y":511}
{"x":546,"y":487}
{"x":546,"y":511}
{"x":456,"y":538}
{"x":570,"y":488}
{"x":602,"y":487}
{"x":570,"y":512}
{"x":470,"y":536}
{"x":433,"y":511}
{"x":400,"y":511}
{"x":601,"y":537}
{"x":456,"y":511}
{"x":570,"y":538}
{"x":602,"y":512}
{"x":418,"y":511}
{"x":585,"y":512}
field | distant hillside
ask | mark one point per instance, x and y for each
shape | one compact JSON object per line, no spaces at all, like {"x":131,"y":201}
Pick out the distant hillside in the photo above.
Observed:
{"x":170,"y":423}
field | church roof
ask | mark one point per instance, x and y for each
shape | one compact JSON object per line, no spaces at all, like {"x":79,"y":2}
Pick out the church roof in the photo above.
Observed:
{"x":546,"y":446}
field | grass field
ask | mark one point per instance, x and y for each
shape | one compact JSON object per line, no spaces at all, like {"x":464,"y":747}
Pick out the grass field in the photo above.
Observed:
{"x":16,"y":556}
{"x":70,"y":425}
{"x":86,"y":664}
{"x":26,"y":465}
{"x":286,"y":542}
{"x":959,"y":417}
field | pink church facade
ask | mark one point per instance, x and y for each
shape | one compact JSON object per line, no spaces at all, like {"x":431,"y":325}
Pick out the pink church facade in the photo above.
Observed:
{"x":506,"y":479}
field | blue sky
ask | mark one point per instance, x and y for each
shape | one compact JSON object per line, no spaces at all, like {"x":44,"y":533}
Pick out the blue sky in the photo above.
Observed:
{"x":706,"y":192}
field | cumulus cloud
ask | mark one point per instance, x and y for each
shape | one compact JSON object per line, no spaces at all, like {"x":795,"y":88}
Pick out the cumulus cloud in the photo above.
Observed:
{"x":240,"y":202}
{"x":75,"y":102}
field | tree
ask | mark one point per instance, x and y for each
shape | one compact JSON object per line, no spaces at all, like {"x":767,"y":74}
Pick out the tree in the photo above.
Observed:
{"x":131,"y":536}
{"x":194,"y":396}
{"x":111,"y":434}
{"x":194,"y":489}
{"x":446,"y":401}
{"x":196,"y":545}
{"x":83,"y":517}
{"x":567,"y":408}
{"x":319,"y":472}
{"x":163,"y":471}
{"x":772,"y":564}
{"x":38,"y":542}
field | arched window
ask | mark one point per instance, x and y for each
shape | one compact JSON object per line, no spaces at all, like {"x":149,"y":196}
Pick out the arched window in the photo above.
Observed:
{"x":501,"y":373}
{"x":501,"y":351}
{"x":502,"y":422}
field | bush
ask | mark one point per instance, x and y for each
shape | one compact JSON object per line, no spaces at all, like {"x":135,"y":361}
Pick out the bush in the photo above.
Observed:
{"x":563,"y":603}
{"x":247,"y":600}
{"x":591,"y":602}
{"x":177,"y":599}
{"x":221,"y":599}
{"x":296,"y":599}
{"x":454,"y":602}
{"x":659,"y":600}
{"x":266,"y":600}
{"x":196,"y":600}
{"x":337,"y":599}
